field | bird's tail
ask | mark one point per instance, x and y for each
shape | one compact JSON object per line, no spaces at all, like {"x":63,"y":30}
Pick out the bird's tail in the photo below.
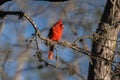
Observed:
{"x":50,"y":53}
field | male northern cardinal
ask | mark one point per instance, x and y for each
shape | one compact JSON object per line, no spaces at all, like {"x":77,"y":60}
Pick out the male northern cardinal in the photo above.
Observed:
{"x":55,"y":34}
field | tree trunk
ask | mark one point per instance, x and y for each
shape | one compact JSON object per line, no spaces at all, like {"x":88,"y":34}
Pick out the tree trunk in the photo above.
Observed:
{"x":105,"y":41}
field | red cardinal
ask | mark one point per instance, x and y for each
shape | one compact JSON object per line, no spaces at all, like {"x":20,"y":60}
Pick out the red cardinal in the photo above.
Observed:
{"x":55,"y":34}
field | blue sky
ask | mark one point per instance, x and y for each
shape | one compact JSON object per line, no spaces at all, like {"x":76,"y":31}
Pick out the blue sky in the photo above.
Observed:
{"x":9,"y":35}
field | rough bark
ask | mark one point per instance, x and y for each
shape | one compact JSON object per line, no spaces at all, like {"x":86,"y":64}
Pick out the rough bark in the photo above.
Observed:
{"x":105,"y":41}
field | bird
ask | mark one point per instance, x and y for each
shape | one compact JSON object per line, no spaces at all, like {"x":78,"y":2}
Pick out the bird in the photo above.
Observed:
{"x":55,"y":34}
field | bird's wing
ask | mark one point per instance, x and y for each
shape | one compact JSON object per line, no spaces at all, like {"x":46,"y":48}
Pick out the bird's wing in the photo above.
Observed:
{"x":50,"y":33}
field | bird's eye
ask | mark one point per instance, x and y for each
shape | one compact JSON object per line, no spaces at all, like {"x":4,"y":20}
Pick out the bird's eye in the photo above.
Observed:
{"x":61,"y":25}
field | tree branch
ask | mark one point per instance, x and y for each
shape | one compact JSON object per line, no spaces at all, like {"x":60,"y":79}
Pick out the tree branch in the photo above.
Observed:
{"x":65,"y":43}
{"x":73,"y":46}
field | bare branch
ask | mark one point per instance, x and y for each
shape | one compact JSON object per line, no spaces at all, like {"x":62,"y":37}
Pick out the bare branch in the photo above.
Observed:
{"x":65,"y":43}
{"x":46,"y":40}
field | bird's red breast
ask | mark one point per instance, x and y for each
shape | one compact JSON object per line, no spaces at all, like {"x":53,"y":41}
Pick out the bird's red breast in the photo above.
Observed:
{"x":55,"y":33}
